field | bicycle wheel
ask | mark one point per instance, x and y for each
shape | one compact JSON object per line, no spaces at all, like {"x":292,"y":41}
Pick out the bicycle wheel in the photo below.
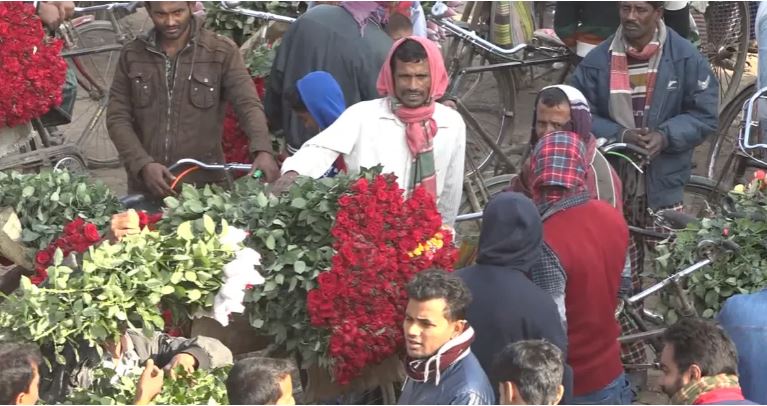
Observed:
{"x":72,"y":164}
{"x":724,"y":40}
{"x":725,"y":142}
{"x":94,"y":77}
{"x":702,"y":197}
{"x":483,"y":193}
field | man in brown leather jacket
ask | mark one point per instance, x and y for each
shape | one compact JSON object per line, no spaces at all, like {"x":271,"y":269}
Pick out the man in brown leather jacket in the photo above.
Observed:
{"x":167,"y":101}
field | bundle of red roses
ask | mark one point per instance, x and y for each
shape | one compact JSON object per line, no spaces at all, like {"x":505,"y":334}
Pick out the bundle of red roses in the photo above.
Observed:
{"x":78,"y":235}
{"x":361,"y":299}
{"x":234,"y":142}
{"x":32,"y":71}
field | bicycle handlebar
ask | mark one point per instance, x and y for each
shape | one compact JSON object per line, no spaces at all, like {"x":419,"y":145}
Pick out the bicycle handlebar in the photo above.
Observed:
{"x":211,"y":167}
{"x":234,"y":7}
{"x":129,"y":7}
{"x":624,"y":146}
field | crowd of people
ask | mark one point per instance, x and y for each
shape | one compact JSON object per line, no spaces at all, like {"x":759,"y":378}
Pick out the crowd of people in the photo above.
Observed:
{"x":358,"y":84}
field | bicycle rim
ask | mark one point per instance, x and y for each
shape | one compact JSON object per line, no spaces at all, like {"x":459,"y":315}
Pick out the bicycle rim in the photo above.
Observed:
{"x":726,"y":141}
{"x":702,"y":196}
{"x":95,"y":73}
{"x":725,"y":43}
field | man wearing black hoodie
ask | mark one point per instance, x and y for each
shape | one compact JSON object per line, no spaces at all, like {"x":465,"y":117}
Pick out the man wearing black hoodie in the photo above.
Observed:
{"x":507,"y":306}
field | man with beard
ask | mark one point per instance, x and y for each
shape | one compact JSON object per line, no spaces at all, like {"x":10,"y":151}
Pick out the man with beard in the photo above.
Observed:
{"x":440,"y":367}
{"x":407,"y":132}
{"x":700,"y":365}
{"x":650,"y":87}
{"x":168,"y":101}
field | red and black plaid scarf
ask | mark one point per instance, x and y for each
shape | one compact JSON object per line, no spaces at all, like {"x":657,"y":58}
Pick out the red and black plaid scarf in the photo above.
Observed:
{"x":558,"y":160}
{"x":421,"y":369}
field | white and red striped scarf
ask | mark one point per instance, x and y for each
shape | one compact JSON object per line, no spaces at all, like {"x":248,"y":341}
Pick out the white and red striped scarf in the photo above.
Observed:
{"x":621,"y":108}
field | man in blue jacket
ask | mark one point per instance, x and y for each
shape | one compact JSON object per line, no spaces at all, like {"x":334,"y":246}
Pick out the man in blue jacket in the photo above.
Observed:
{"x":648,"y":86}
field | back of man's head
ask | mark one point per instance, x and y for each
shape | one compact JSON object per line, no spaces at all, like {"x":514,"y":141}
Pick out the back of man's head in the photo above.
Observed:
{"x":18,"y":365}
{"x":256,"y":381}
{"x":702,"y":343}
{"x":535,"y":370}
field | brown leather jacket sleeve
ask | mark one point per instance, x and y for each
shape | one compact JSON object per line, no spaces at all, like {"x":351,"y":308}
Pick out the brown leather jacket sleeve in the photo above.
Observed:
{"x":239,"y":90}
{"x":120,"y":122}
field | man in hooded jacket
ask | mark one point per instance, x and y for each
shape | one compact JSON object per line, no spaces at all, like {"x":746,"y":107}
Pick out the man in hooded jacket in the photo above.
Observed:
{"x":507,"y":306}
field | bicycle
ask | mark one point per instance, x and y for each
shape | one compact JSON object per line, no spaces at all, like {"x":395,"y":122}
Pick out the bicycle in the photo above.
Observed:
{"x":649,"y":325}
{"x":77,"y":154}
{"x":93,"y":50}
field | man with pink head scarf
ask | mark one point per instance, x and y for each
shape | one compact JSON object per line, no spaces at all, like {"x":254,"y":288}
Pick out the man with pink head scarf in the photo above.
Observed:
{"x":406,"y":131}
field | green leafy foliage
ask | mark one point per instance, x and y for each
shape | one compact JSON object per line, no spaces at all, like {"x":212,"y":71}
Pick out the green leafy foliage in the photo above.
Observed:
{"x":120,"y":286}
{"x":742,"y":272}
{"x":291,"y":232}
{"x":202,"y":387}
{"x":239,"y":27}
{"x":46,"y":201}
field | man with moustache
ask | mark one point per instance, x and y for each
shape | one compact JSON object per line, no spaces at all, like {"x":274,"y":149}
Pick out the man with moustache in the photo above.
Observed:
{"x":168,"y":101}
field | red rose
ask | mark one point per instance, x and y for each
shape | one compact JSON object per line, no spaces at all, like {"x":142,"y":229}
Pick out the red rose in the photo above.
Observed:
{"x":43,"y":258}
{"x":91,"y":233}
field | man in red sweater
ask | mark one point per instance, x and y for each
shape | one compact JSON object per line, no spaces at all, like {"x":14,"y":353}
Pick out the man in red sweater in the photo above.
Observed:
{"x":584,"y":253}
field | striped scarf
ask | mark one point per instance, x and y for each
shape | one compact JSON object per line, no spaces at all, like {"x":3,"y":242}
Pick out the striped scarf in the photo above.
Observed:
{"x":690,"y":393}
{"x":621,"y":108}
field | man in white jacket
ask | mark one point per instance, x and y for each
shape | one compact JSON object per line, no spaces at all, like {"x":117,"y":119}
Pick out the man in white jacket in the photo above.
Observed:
{"x":407,"y":132}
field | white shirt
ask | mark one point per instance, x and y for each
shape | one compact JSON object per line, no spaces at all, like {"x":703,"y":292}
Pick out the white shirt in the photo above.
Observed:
{"x":368,"y":134}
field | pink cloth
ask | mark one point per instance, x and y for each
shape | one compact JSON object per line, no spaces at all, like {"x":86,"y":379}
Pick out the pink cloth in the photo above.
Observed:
{"x":420,"y":126}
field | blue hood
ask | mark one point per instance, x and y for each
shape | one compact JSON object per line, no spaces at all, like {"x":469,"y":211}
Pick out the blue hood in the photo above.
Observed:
{"x":322,"y":97}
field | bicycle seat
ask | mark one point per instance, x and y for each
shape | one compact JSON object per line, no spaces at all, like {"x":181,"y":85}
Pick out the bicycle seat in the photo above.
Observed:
{"x":673,"y":219}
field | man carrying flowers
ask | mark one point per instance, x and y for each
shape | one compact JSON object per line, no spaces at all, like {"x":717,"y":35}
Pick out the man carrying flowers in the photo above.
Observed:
{"x":440,"y":367}
{"x":407,"y":132}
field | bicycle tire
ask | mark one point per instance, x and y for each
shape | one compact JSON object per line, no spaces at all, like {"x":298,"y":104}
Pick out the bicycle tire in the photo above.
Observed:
{"x":727,"y":29}
{"x":489,"y":98}
{"x":725,"y":142}
{"x":71,"y":164}
{"x":703,"y":196}
{"x":95,"y":74}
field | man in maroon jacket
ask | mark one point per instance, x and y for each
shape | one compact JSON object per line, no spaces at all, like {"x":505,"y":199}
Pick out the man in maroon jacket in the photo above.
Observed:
{"x":583,"y":257}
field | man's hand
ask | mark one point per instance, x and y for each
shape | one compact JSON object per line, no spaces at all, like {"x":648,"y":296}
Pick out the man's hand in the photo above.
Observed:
{"x":653,"y":142}
{"x":50,"y":14}
{"x":266,"y":163}
{"x":123,"y":224}
{"x":157,"y":178}
{"x":633,"y":136}
{"x":184,"y":360}
{"x":66,"y":9}
{"x":284,"y":182}
{"x":149,"y":384}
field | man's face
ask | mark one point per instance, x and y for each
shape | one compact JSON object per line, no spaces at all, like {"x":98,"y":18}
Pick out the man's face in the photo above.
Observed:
{"x":550,"y":119}
{"x":412,"y":82}
{"x":171,"y":18}
{"x":639,"y":19}
{"x":307,"y":120}
{"x":32,"y":394}
{"x":673,"y":379}
{"x":426,"y":327}
{"x":286,"y":391}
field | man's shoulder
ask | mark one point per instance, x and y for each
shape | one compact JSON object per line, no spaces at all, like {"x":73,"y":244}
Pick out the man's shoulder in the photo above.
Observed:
{"x":446,"y":116}
{"x":214,"y":41}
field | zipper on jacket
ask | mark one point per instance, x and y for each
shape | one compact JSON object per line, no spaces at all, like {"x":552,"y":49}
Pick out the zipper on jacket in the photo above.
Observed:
{"x":169,"y":95}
